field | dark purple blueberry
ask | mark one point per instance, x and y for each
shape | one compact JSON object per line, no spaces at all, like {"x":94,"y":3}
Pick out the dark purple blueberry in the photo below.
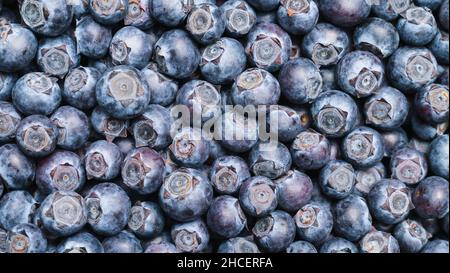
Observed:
{"x":301,"y":247}
{"x":17,"y":48}
{"x":146,"y":219}
{"x":390,"y":10}
{"x":37,"y":136}
{"x":130,"y":46}
{"x":238,"y":245}
{"x":293,"y":190}
{"x":337,"y":179}
{"x":438,"y":156}
{"x":378,"y":242}
{"x":338,"y":245}
{"x":435,"y":246}
{"x":123,"y":242}
{"x":56,"y":56}
{"x":310,"y":150}
{"x":238,"y":133}
{"x":16,"y":170}
{"x":344,"y":13}
{"x":79,"y":87}
{"x":264,"y":5}
{"x":408,"y":165}
{"x":314,"y":223}
{"x":367,"y":178}
{"x":228,"y":173}
{"x":108,"y":12}
{"x":270,"y":159}
{"x":443,"y":15}
{"x":268,"y":46}
{"x":9,"y":121}
{"x":26,"y":238}
{"x":291,"y":121}
{"x":189,"y":148}
{"x":191,"y":236}
{"x":275,"y":232}
{"x":352,"y":219}
{"x":172,"y":13}
{"x":389,"y":201}
{"x":185,"y":194}
{"x":138,"y":14}
{"x":225,"y":217}
{"x":16,"y":207}
{"x":206,"y":23}
{"x":417,"y":27}
{"x":102,"y":160}
{"x":108,"y":126}
{"x":240,"y":17}
{"x":257,"y":196}
{"x":439,"y":46}
{"x":363,"y":147}
{"x":298,"y":17}
{"x":255,"y":86}
{"x":60,"y":171}
{"x":394,"y":140}
{"x":430,"y":197}
{"x":431,"y":4}
{"x":431,"y":103}
{"x":162,"y":88}
{"x":73,"y":127}
{"x":82,"y":242}
{"x":93,"y":39}
{"x":411,"y":236}
{"x":143,"y":170}
{"x":7,"y":82}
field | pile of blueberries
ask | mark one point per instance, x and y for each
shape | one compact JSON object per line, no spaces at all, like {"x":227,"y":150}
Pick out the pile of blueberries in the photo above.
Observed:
{"x":89,"y":161}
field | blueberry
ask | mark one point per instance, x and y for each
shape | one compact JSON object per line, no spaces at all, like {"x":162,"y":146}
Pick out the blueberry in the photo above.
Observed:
{"x":108,"y":126}
{"x":300,"y":81}
{"x":227,"y":174}
{"x":363,"y":147}
{"x":101,"y":64}
{"x":291,"y":121}
{"x":255,"y":87}
{"x":329,"y":81}
{"x":222,"y":61}
{"x":310,"y":150}
{"x":162,"y":88}
{"x":264,"y":5}
{"x":266,"y":17}
{"x":410,"y":69}
{"x":138,"y":14}
{"x":73,"y":127}
{"x":146,"y":219}
{"x":431,"y":4}
{"x":16,"y":170}
{"x":427,"y":131}
{"x":326,"y":44}
{"x":238,"y":245}
{"x":430,"y":197}
{"x":314,"y":223}
{"x":206,"y":23}
{"x":130,"y":46}
{"x":185,"y":194}
{"x":334,"y":113}
{"x":9,"y":120}
{"x":240,"y":17}
{"x":122,"y":92}
{"x":411,"y":236}
{"x":237,"y":133}
{"x":379,"y":242}
{"x":439,"y":47}
{"x":189,"y":148}
{"x":225,"y":217}
{"x":301,"y":247}
{"x":352,"y":218}
{"x":143,"y":170}
{"x":274,"y":232}
{"x":102,"y":160}
{"x":257,"y":196}
{"x":443,"y":15}
{"x":82,"y":242}
{"x":338,"y":245}
{"x":56,"y":56}
{"x":268,"y":46}
{"x":79,"y":7}
{"x":79,"y":87}
{"x":270,"y":159}
{"x":37,"y":136}
{"x":298,"y":17}
{"x":438,"y":156}
{"x":408,"y":165}
{"x":445,"y":223}
{"x":419,"y":145}
{"x":46,"y":17}
{"x":109,"y":12}
{"x":123,"y":242}
{"x":93,"y":39}
{"x":163,"y":247}
{"x":418,"y":26}
{"x":435,"y":246}
{"x":60,"y":171}
{"x":337,"y":179}
{"x":175,"y":54}
{"x":63,"y":213}
{"x":7,"y":81}
{"x":26,"y":238}
{"x":431,"y":103}
{"x":191,"y":236}
{"x":389,"y":201}
{"x":344,"y":13}
{"x":172,"y":13}
{"x":367,"y":178}
{"x":16,"y":207}
{"x":293,"y":190}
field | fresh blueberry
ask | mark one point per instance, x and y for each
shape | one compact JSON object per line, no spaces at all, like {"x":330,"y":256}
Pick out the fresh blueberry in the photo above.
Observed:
{"x":79,"y":7}
{"x":338,"y":245}
{"x":314,"y":222}
{"x":227,"y":174}
{"x":138,"y":14}
{"x":274,"y":232}
{"x":390,"y":10}
{"x":189,"y":148}
{"x":9,"y":120}
{"x":7,"y":81}
{"x":363,"y":147}
{"x":16,"y":170}
{"x":301,"y":247}
{"x":293,"y":190}
{"x":435,"y":246}
{"x":108,"y":126}
{"x":427,"y":131}
{"x":366,"y":178}
{"x":206,"y":23}
{"x":172,"y":13}
{"x":73,"y":127}
{"x":266,"y":17}
{"x":291,"y":121}
{"x":25,"y":238}
{"x":393,"y":140}
{"x":431,"y":4}
{"x":191,"y":236}
{"x":146,"y":219}
{"x":82,"y":242}
{"x":37,"y":136}
{"x":439,"y":47}
{"x":329,"y":80}
{"x":378,"y":242}
{"x":255,"y":86}
{"x":264,"y":5}
{"x":344,"y":13}
{"x":225,"y":217}
{"x":123,"y":242}
{"x":237,"y":133}
{"x":16,"y":207}
{"x":430,"y":197}
{"x":101,"y":64}
{"x":438,"y":156}
{"x":443,"y":15}
{"x":298,"y":17}
{"x":337,"y":179}
{"x":18,"y":46}
{"x":79,"y":87}
{"x":408,"y":165}
{"x":269,"y":159}
{"x":238,"y":245}
{"x":310,"y":150}
{"x":56,"y":56}
{"x":257,"y":196}
{"x":163,"y":247}
{"x":109,"y":12}
{"x":418,"y":26}
{"x":102,"y":160}
{"x":431,"y":103}
{"x":240,"y":17}
{"x":130,"y":46}
{"x":411,"y":236}
{"x":352,"y":219}
{"x":162,"y":88}
{"x":93,"y":39}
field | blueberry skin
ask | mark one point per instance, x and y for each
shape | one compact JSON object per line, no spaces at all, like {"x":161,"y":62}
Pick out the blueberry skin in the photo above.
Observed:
{"x":164,"y":247}
{"x":352,"y":218}
{"x":79,"y":87}
{"x":363,"y":147}
{"x":337,"y":179}
{"x":138,"y":14}
{"x":63,"y":213}
{"x":438,"y":156}
{"x":389,"y":10}
{"x":7,"y":81}
{"x":129,"y":46}
{"x":162,"y":88}
{"x":314,"y":222}
{"x":62,"y":170}
{"x":325,"y":44}
{"x":360,"y":73}
{"x":176,"y":55}
{"x":10,"y":119}
{"x":125,"y":145}
{"x":378,"y":242}
{"x":430,"y":103}
{"x":235,"y":136}
{"x":212,"y":27}
{"x":293,"y":190}
{"x":257,"y":196}
{"x":408,"y":165}
{"x":101,"y":64}
{"x":439,"y":47}
{"x":298,"y":20}
{"x":185,"y":194}
{"x":108,"y":208}
{"x":236,"y":13}
{"x":238,"y":245}
{"x":344,"y":13}
{"x":143,"y":170}
{"x":36,"y":93}
{"x":435,"y":246}
{"x":291,"y":121}
{"x":225,"y":217}
{"x":106,"y":125}
{"x":123,"y":242}
{"x":431,"y":4}
{"x":102,"y":160}
{"x":387,"y":109}
{"x":191,"y":236}
{"x":377,"y":36}
{"x":222,"y":61}
{"x":172,"y":13}
{"x":265,"y":37}
{"x":88,"y":30}
{"x":31,"y":235}
{"x":227,"y":174}
{"x":338,"y":245}
{"x":310,"y":150}
{"x":366,"y":178}
{"x":146,"y":219}
{"x":255,"y":86}
{"x":337,"y":110}
{"x":82,"y":242}
{"x":73,"y":127}
{"x":269,"y":159}
{"x":110,"y":13}
{"x":411,"y":236}
{"x":445,"y":223}
{"x":48,"y":17}
{"x":430,"y":197}
{"x":301,"y":247}
{"x":427,"y":131}
{"x":36,"y":128}
{"x":418,"y":27}
{"x":443,"y":15}
{"x":56,"y":56}
{"x":189,"y":148}
{"x":275,"y":232}
{"x":264,"y":5}
{"x":16,"y":207}
{"x":120,"y":103}
{"x":389,"y":201}
{"x":79,"y":8}
{"x":18,"y":47}
{"x":300,"y":81}
{"x":266,"y":17}
{"x":410,"y":69}
{"x":16,"y":170}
